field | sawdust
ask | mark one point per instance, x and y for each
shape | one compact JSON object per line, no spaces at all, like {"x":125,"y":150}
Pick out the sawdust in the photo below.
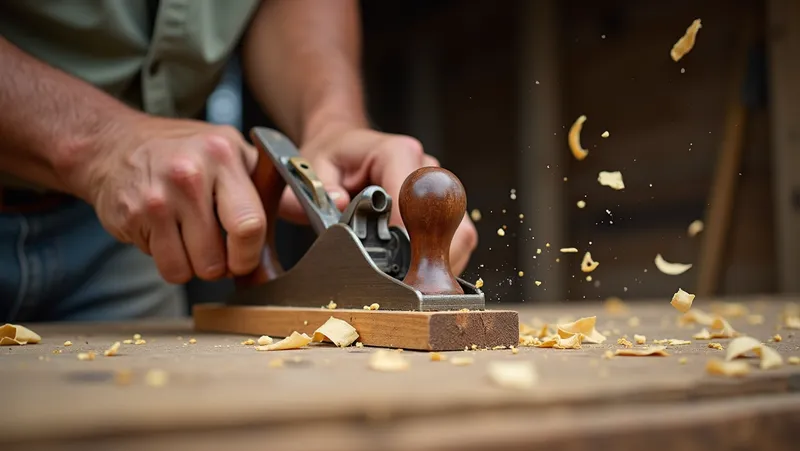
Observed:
{"x":264,"y":340}
{"x":67,"y":343}
{"x":639,"y":339}
{"x":249,"y":342}
{"x":86,"y":355}
{"x":716,"y":346}
{"x":476,"y":215}
{"x":605,"y":134}
{"x":479,"y":283}
{"x":112,"y":351}
{"x":624,"y":342}
{"x":581,"y":204}
{"x":437,"y":357}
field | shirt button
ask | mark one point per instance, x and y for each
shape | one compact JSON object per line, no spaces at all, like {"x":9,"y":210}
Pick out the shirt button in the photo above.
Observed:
{"x":154,"y":67}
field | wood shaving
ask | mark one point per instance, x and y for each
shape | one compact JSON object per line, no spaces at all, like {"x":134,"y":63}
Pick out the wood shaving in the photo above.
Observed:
{"x":731,"y":369}
{"x":338,"y":331}
{"x":678,"y":342}
{"x":569,"y":250}
{"x":156,"y":378}
{"x":331,"y":305}
{"x":686,"y":42}
{"x":437,"y":357}
{"x":643,"y":352}
{"x":192,"y":341}
{"x":740,"y":346}
{"x":581,"y":204}
{"x":374,"y":306}
{"x":695,"y":228}
{"x":584,"y":328}
{"x":249,"y":342}
{"x":388,"y":361}
{"x":640,"y":339}
{"x":520,"y":273}
{"x":605,"y":134}
{"x":359,"y":344}
{"x":537,"y":282}
{"x":612,"y":180}
{"x":574,"y":139}
{"x":462,"y":361}
{"x":587,"y":264}
{"x":67,"y":343}
{"x":112,"y":351}
{"x":770,"y":358}
{"x":793,"y":360}
{"x":514,"y":350}
{"x":137,"y":336}
{"x":634,"y":321}
{"x":86,"y":355}
{"x":479,"y":283}
{"x":475,"y":214}
{"x":755,"y":320}
{"x":589,"y":278}
{"x":614,"y":305}
{"x":501,"y":232}
{"x":682,"y":301}
{"x":13,"y":334}
{"x":792,"y":322}
{"x":140,"y":342}
{"x":516,"y":375}
{"x":716,"y":346}
{"x":264,"y":340}
{"x":729,"y":309}
{"x":527,"y":340}
{"x":661,"y":342}
{"x":671,"y":269}
{"x":624,"y":342}
{"x":294,"y":341}
{"x":720,"y":328}
{"x":697,"y":316}
{"x":127,"y":342}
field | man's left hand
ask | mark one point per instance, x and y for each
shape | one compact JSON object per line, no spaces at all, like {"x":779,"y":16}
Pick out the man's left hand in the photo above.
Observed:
{"x":348,"y":159}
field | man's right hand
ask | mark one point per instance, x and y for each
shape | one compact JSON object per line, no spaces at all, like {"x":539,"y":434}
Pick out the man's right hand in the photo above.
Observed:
{"x":162,"y":186}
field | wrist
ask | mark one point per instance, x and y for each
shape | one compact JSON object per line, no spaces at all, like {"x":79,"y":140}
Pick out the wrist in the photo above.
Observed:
{"x":334,"y":115}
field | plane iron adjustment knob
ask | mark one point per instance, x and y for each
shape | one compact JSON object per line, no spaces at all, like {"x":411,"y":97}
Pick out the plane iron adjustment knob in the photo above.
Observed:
{"x":432,"y":205}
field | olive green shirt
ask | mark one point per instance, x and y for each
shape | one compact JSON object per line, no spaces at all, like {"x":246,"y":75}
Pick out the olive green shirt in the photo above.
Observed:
{"x":165,"y":62}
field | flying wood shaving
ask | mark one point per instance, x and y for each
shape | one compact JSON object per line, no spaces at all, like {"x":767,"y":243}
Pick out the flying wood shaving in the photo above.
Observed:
{"x":729,"y":309}
{"x":574,"y":139}
{"x":294,"y":341}
{"x":732,"y":369}
{"x":340,"y":332}
{"x":479,"y":283}
{"x":517,"y":375}
{"x":695,"y":228}
{"x":585,"y":328}
{"x":12,"y":334}
{"x":462,"y":361}
{"x":569,"y":250}
{"x":587,"y":264}
{"x":605,"y":134}
{"x":682,"y":301}
{"x":686,"y":42}
{"x":612,"y":180}
{"x":643,"y":352}
{"x":671,"y":269}
{"x":614,"y":305}
{"x":388,"y":361}
{"x":112,"y":351}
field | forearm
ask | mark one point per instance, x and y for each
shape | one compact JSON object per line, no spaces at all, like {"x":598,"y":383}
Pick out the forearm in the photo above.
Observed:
{"x":302,"y":61}
{"x":51,"y":124}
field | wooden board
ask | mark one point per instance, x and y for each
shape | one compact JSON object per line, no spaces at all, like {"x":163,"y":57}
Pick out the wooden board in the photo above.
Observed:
{"x":221,"y":393}
{"x":422,"y":331}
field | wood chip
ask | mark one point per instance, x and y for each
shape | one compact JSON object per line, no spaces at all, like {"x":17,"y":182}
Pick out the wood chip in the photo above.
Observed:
{"x":359,"y":344}
{"x":624,"y":342}
{"x":716,"y":346}
{"x":731,"y":369}
{"x":374,"y":306}
{"x":437,"y":357}
{"x":777,"y":338}
{"x":682,"y":301}
{"x":678,"y":342}
{"x":793,"y":360}
{"x":612,"y":180}
{"x":462,"y":361}
{"x":640,"y":339}
{"x":192,"y":341}
{"x":569,"y":250}
{"x":704,"y":334}
{"x":685,"y":44}
{"x":331,"y":305}
{"x":249,"y":342}
{"x":585,"y":328}
{"x":501,"y":232}
{"x":671,"y":269}
{"x":67,"y":343}
{"x":740,"y":346}
{"x":643,"y":352}
{"x":388,"y":361}
{"x":479,"y":283}
{"x":86,"y":355}
{"x":695,"y":228}
{"x":338,"y":331}
{"x":515,"y":375}
{"x":112,"y":351}
{"x":156,"y":378}
{"x":605,"y":134}
{"x":264,"y":340}
{"x":140,"y":342}
{"x":574,"y":139}
{"x":294,"y":341}
{"x":127,"y":342}
{"x":720,"y":328}
{"x":587,"y":264}
{"x":13,"y":334}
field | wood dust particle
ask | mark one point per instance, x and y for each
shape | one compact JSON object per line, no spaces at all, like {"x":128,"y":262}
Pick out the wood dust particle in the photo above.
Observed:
{"x":695,"y":228}
{"x":716,"y":346}
{"x":56,"y":351}
{"x":140,"y":342}
{"x":249,"y":342}
{"x":476,"y":215}
{"x":462,"y":361}
{"x":479,"y":283}
{"x":587,"y":264}
{"x":514,"y":350}
{"x":86,"y":355}
{"x":192,"y":341}
{"x":127,"y":342}
{"x":686,"y":42}
{"x":501,"y":232}
{"x":777,"y":338}
{"x":359,"y":344}
{"x":624,"y":342}
{"x":112,"y":351}
{"x":331,"y":305}
{"x":437,"y":357}
{"x":264,"y":340}
{"x":569,"y":250}
{"x":639,"y":339}
{"x":156,"y":378}
{"x":793,"y":360}
{"x":67,"y":343}
{"x":546,"y":244}
{"x":605,"y":134}
{"x":538,"y":251}
{"x":581,"y":204}
{"x":612,"y":180}
{"x":521,"y":274}
{"x":537,"y":282}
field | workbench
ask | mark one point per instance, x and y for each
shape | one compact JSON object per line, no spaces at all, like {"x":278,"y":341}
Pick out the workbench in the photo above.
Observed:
{"x":221,"y":394}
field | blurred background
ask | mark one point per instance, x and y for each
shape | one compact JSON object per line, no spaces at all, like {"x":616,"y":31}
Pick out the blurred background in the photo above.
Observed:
{"x":492,"y":88}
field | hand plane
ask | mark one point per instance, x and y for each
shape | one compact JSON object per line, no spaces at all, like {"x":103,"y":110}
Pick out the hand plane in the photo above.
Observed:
{"x":357,"y":258}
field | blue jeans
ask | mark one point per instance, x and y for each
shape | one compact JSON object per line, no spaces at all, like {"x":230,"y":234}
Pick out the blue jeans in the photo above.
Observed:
{"x":61,"y":265}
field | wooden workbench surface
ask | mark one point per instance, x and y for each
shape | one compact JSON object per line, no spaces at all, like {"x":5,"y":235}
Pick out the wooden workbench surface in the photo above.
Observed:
{"x":222,"y":393}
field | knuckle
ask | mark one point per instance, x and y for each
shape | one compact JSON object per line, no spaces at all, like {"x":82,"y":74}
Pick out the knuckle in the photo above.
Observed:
{"x":187,"y":174}
{"x":154,"y":203}
{"x":411,"y":146}
{"x":220,"y":149}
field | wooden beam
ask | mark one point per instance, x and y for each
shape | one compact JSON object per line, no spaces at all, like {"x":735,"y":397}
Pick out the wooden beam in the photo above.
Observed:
{"x":784,"y":54}
{"x":541,"y":146}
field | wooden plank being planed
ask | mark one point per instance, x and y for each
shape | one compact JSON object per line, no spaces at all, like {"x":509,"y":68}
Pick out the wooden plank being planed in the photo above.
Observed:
{"x":423,"y":331}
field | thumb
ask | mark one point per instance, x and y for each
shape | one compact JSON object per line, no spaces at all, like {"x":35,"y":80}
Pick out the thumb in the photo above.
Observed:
{"x":290,"y":208}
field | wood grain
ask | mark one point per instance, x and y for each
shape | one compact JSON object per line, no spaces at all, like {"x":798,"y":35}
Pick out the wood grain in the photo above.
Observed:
{"x":423,"y":331}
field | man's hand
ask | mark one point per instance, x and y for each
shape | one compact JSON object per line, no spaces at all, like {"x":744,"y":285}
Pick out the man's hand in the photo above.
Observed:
{"x":347,"y":159}
{"x":162,"y":185}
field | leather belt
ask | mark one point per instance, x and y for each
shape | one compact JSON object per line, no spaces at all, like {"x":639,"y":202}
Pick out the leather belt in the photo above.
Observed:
{"x":24,"y":201}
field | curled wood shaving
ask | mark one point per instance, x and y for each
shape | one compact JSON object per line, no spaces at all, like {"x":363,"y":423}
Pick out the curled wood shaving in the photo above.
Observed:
{"x":720,"y":328}
{"x":112,"y":351}
{"x":264,"y":340}
{"x":731,"y":369}
{"x":388,"y":361}
{"x":517,"y":375}
{"x":739,"y":347}
{"x":695,"y":228}
{"x":685,"y":44}
{"x":338,"y":331}
{"x":13,"y":334}
{"x":584,"y":327}
{"x":574,"y":139}
{"x":671,"y":269}
{"x":462,"y":361}
{"x":587,"y":264}
{"x":643,"y":352}
{"x":682,"y":301}
{"x":770,"y":358}
{"x":612,"y":180}
{"x":294,"y":341}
